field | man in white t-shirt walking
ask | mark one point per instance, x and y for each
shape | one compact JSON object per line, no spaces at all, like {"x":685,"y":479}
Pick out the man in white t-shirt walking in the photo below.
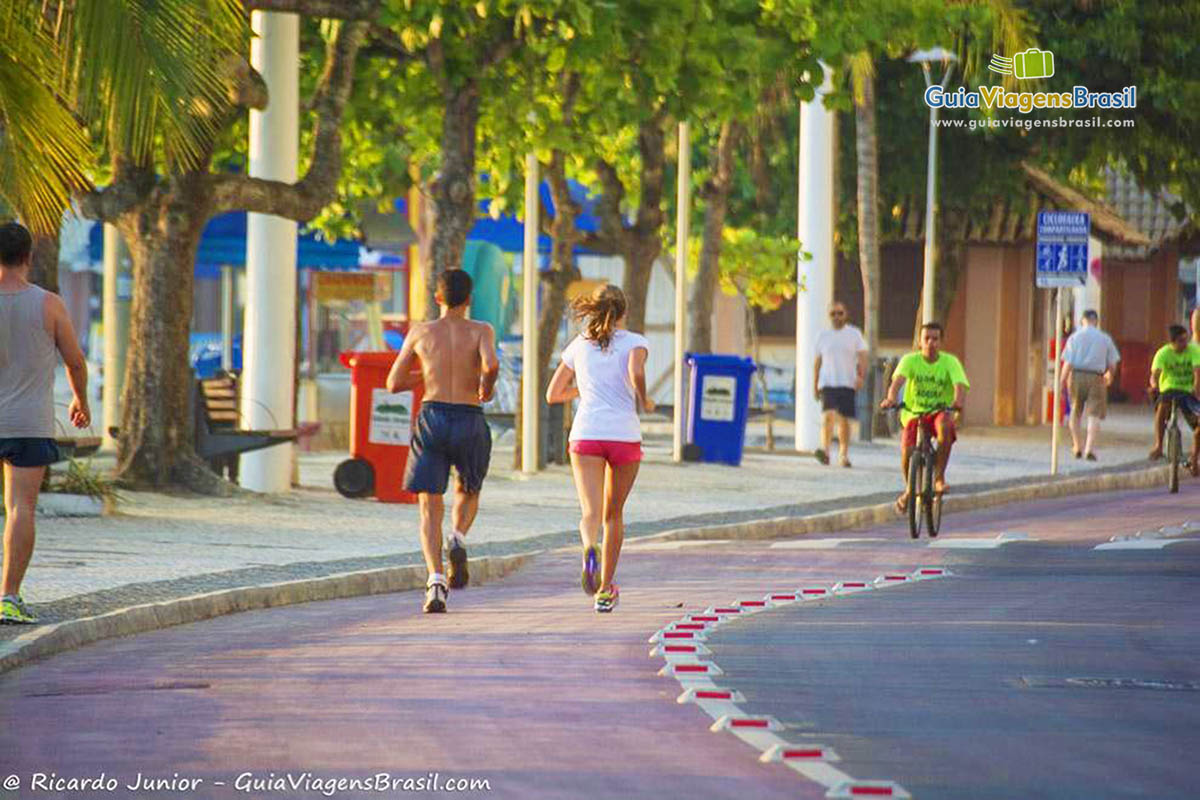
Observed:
{"x":838,"y":373}
{"x":1089,"y":358}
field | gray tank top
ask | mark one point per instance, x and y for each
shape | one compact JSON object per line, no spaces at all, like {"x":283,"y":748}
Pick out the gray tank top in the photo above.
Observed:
{"x":27,"y":363}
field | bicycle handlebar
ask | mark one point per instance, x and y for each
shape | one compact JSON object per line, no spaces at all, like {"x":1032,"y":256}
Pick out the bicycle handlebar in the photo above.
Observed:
{"x":934,"y":413}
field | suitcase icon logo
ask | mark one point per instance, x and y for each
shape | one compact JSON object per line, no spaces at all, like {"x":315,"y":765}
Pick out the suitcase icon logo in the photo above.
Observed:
{"x":1032,"y":63}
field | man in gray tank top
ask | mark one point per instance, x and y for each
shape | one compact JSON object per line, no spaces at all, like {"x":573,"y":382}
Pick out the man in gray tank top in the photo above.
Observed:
{"x":34,"y":326}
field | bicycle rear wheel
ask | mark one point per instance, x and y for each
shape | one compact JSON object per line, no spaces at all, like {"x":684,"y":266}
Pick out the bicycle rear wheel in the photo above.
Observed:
{"x":915,"y":470}
{"x":1173,"y":455}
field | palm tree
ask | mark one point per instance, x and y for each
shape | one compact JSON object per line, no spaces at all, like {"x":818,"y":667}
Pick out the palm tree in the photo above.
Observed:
{"x":142,"y":71}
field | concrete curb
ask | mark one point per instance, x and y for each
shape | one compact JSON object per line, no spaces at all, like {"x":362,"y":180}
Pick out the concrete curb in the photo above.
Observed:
{"x":47,"y":640}
{"x":866,"y":516}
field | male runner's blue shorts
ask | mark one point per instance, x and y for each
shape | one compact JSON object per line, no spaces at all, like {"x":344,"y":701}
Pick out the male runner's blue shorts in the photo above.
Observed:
{"x":448,"y":434}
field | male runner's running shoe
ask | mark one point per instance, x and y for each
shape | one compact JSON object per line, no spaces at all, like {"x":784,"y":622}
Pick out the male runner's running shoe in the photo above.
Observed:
{"x":590,"y":579}
{"x":14,"y":612}
{"x":457,"y":572}
{"x":606,"y":601}
{"x":435,"y":598}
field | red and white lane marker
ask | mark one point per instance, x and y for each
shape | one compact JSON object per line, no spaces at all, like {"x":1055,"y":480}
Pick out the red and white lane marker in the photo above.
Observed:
{"x":867,"y":789}
{"x":799,"y":752}
{"x":680,"y":650}
{"x":680,"y":645}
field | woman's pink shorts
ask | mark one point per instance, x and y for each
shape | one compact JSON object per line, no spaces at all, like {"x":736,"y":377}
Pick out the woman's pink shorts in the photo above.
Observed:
{"x":615,"y":453}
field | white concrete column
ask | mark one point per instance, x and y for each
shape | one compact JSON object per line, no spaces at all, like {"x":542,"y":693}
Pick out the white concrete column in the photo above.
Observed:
{"x":118,"y":293}
{"x":226,"y":317}
{"x":682,"y":224}
{"x":269,"y":338}
{"x":815,"y":231}
{"x":530,"y":401}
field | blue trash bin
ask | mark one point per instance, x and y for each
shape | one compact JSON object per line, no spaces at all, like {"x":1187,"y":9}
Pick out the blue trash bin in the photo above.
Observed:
{"x":718,"y":405}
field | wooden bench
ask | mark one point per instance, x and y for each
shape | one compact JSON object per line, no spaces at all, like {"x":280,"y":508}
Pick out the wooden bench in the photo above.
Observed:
{"x":76,"y":447}
{"x":220,"y":438}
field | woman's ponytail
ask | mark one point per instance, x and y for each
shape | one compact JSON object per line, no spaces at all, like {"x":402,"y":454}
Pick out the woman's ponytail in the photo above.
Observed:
{"x":599,"y":312}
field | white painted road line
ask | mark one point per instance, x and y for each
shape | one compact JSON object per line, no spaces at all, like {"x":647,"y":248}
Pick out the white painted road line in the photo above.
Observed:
{"x":679,"y":544}
{"x":822,"y":544}
{"x":1140,"y":544}
{"x":972,"y":543}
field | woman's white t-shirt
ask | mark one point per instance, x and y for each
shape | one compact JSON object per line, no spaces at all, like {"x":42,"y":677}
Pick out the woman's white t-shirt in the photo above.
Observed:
{"x":607,"y":407}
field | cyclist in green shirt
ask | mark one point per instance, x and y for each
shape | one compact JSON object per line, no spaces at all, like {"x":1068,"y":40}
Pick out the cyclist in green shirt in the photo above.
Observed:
{"x":933,"y":381}
{"x":1175,"y":375}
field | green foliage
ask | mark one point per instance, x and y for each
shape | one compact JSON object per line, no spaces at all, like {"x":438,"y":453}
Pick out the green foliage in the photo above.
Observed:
{"x":1106,"y":46}
{"x":145,"y":75}
{"x":760,"y":268}
{"x":44,"y":152}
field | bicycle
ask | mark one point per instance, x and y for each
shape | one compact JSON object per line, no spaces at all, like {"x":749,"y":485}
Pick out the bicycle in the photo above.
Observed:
{"x":925,"y":505}
{"x":1173,"y":445}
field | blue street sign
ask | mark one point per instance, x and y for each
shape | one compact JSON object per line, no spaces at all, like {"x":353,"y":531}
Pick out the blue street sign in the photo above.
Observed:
{"x":1062,"y":248}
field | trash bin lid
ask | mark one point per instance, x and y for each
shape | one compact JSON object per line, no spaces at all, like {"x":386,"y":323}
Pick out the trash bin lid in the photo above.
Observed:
{"x":721,"y":360}
{"x":364,"y":358}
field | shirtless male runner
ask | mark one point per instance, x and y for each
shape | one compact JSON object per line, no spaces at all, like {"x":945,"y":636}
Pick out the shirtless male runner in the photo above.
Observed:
{"x":458,"y":364}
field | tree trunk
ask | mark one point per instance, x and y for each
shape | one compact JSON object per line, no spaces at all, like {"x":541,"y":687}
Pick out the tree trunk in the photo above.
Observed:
{"x":45,"y":262}
{"x":952,"y":255}
{"x":454,"y":188}
{"x":156,"y":443}
{"x":643,"y":242}
{"x":716,"y":196}
{"x":867,"y":152}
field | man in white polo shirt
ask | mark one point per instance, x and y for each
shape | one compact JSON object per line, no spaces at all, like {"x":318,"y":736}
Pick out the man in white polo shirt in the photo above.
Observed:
{"x":838,"y":374}
{"x":1089,"y":359}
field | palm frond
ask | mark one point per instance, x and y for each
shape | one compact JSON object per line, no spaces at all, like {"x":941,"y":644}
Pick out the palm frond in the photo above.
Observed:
{"x":44,"y":150}
{"x":151,"y":71}
{"x":861,"y":68}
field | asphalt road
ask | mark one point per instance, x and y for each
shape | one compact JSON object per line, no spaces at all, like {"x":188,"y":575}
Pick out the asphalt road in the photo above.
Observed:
{"x":1042,"y":668}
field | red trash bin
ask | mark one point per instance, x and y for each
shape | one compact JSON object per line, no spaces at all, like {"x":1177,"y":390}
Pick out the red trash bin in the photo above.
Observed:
{"x":380,"y":430}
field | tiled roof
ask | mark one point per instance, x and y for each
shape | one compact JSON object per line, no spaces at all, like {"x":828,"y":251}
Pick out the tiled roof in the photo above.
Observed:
{"x":1151,"y":213}
{"x":1011,"y":222}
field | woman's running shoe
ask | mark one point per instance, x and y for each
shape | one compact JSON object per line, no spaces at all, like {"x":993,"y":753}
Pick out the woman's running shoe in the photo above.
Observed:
{"x":606,"y":599}
{"x":590,"y":577}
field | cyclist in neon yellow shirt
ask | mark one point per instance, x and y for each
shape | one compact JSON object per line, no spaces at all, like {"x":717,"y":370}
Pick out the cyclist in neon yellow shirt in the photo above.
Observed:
{"x":933,"y":381}
{"x":1175,"y":375}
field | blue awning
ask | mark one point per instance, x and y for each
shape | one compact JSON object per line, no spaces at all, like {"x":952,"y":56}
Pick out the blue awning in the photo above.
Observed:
{"x":224,"y":243}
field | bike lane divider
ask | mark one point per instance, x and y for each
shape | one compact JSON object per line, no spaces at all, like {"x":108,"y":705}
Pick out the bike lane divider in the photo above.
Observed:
{"x":692,"y":666}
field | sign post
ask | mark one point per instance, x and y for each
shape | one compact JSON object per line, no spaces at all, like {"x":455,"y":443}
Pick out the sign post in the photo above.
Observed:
{"x":1062,"y":263}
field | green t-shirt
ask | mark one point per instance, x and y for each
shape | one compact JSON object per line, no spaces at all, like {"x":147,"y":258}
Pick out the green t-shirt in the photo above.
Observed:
{"x":928,"y":387}
{"x":1177,"y":368}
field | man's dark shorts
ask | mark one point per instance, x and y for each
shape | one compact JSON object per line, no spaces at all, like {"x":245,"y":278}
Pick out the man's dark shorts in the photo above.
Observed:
{"x":1189,"y":406}
{"x":839,"y":399}
{"x":29,"y":452}
{"x":448,"y":434}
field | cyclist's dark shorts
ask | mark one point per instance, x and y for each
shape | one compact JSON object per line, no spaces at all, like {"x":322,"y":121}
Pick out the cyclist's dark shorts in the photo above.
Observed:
{"x":29,"y":452}
{"x":1189,"y":406}
{"x":445,"y":435}
{"x":839,"y":399}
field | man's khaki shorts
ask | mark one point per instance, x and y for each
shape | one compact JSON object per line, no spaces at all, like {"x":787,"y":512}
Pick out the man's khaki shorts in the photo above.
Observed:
{"x":1088,"y":393}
